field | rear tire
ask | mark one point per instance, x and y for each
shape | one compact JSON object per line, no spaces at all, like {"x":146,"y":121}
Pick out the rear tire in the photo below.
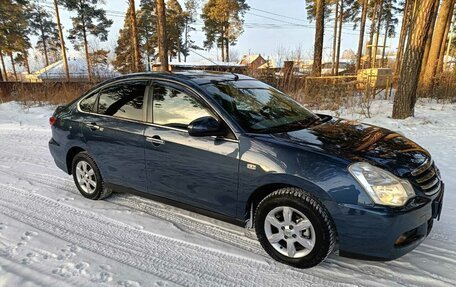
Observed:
{"x":295,"y":228}
{"x":87,"y":177}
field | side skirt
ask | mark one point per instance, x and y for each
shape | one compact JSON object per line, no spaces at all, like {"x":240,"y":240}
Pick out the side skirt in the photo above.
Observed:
{"x":178,"y":204}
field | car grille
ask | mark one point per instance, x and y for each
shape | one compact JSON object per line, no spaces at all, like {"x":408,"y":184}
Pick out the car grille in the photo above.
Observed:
{"x":427,"y":176}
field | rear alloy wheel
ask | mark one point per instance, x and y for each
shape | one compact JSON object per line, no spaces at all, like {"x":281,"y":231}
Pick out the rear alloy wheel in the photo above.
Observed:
{"x":295,"y":228}
{"x":87,"y":177}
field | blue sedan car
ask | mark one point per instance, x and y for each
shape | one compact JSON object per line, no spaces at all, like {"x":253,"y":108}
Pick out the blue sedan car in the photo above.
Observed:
{"x":237,"y":149}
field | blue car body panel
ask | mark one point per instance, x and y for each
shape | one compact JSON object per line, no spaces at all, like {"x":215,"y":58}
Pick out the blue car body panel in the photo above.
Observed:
{"x":225,"y":175}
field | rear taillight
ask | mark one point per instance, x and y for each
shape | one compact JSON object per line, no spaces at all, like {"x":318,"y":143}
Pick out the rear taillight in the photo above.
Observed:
{"x":52,"y":120}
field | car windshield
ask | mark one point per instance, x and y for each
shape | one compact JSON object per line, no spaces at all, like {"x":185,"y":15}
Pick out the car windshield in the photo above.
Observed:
{"x":258,"y":107}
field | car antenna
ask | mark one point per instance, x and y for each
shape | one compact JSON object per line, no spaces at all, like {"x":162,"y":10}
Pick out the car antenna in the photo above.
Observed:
{"x":236,"y":77}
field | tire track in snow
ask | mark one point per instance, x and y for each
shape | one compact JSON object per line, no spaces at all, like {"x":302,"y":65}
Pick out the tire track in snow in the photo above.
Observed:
{"x":185,"y":223}
{"x":231,"y":237}
{"x":170,"y":259}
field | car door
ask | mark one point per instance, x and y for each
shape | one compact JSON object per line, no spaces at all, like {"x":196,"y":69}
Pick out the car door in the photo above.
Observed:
{"x":201,"y":171}
{"x":114,"y":133}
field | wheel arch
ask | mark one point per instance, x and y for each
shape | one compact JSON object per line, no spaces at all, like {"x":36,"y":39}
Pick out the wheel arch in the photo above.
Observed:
{"x":72,"y":152}
{"x":278,"y":182}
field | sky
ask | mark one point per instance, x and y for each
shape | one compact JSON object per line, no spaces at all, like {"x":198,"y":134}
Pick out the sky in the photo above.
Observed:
{"x":271,"y":27}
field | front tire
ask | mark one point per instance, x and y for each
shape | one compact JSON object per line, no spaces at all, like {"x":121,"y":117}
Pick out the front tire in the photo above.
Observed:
{"x":87,"y":177}
{"x":295,"y":228}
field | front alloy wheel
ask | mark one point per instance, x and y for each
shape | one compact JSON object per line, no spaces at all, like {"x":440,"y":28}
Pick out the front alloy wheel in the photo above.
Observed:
{"x":294,"y":227}
{"x":289,"y":231}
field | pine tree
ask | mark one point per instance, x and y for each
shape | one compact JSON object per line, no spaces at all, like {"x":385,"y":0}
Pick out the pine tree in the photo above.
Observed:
{"x":89,"y":20}
{"x":387,"y":23}
{"x":13,"y":30}
{"x":190,"y":18}
{"x":162,"y":35}
{"x":445,"y":12}
{"x":134,"y":35}
{"x":407,"y":13}
{"x":41,"y":24}
{"x":99,"y":60}
{"x":223,"y":21}
{"x":61,"y":40}
{"x":404,"y":101}
{"x":175,"y":24}
{"x":124,"y":61}
{"x":147,"y":29}
{"x":359,"y":64}
{"x":348,"y":12}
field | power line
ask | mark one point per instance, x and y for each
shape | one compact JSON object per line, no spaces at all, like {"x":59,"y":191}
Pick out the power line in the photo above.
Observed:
{"x":275,"y":14}
{"x":278,"y":20}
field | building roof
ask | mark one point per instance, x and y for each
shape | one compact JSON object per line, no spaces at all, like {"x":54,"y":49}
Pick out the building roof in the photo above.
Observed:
{"x":77,"y":67}
{"x":249,"y":59}
{"x":270,"y":64}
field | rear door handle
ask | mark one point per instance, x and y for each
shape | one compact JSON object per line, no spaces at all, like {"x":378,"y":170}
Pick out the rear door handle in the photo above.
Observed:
{"x":155,"y":140}
{"x":93,"y":126}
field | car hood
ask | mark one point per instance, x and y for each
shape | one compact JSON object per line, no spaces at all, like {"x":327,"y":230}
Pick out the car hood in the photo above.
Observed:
{"x":360,"y":142}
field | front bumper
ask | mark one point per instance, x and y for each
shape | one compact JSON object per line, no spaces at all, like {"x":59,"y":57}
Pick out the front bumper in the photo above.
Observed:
{"x":383,"y":233}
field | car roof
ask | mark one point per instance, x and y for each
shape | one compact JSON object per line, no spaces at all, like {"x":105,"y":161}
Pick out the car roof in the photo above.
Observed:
{"x":196,"y":76}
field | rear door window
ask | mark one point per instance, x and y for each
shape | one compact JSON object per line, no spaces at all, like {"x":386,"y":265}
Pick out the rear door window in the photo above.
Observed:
{"x":88,"y":104}
{"x":125,"y":100}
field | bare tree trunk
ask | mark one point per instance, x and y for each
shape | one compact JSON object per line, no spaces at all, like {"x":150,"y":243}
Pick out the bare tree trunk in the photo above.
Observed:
{"x":86,"y":49}
{"x":186,"y":39}
{"x":379,"y":24}
{"x":13,"y":65}
{"x":3,"y":66}
{"x":162,"y":43}
{"x":432,"y":63}
{"x":386,"y":36}
{"x":404,"y":32}
{"x":62,"y":41}
{"x":334,"y":48}
{"x":361,"y":35}
{"x":371,"y":33}
{"x":222,"y":47}
{"x":444,"y":45}
{"x":319,"y":34}
{"x":134,"y":36}
{"x":26,"y":61}
{"x":384,"y":43}
{"x":227,"y":50}
{"x":404,"y":101}
{"x":429,"y":41}
{"x":339,"y":38}
{"x":43,"y":38}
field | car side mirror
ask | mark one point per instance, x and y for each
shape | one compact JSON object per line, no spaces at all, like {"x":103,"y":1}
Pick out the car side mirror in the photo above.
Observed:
{"x":205,"y":126}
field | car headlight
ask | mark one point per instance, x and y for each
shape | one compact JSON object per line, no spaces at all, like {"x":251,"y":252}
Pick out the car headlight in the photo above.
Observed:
{"x":383,"y":187}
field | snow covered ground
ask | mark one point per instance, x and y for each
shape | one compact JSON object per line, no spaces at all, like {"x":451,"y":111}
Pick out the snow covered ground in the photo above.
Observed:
{"x":52,"y":236}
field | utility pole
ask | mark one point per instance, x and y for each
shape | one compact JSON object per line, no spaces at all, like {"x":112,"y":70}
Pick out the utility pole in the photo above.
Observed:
{"x":62,"y":41}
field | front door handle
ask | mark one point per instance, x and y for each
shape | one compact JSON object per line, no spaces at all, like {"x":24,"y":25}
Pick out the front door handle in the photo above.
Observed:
{"x":155,"y":140}
{"x":93,"y":126}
